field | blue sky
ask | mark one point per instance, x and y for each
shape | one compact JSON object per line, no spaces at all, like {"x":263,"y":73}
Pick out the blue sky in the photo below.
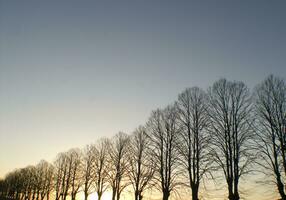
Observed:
{"x":74,"y":71}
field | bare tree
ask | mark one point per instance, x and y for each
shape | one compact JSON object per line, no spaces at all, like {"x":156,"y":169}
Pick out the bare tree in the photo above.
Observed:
{"x":270,"y":107}
{"x":3,"y":188}
{"x":76,"y":172}
{"x":36,"y":183}
{"x":118,"y":149}
{"x":101,"y":167}
{"x":141,"y":168}
{"x":49,"y":177}
{"x":45,"y":172}
{"x":163,"y":134}
{"x":229,"y":113}
{"x":193,"y":140}
{"x":88,"y":169}
{"x":15,"y":184}
{"x":21,"y":183}
{"x":39,"y":181}
{"x":71,"y":160}
{"x":63,"y":169}
{"x":29,"y":183}
{"x":59,"y":171}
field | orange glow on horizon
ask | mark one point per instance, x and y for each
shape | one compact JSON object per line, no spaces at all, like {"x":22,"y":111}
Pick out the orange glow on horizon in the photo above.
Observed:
{"x":93,"y":196}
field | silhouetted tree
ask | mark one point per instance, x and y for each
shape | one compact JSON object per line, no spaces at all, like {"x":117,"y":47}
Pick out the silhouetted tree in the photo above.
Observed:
{"x":270,"y":107}
{"x":118,"y":149}
{"x":200,"y":131}
{"x":101,"y":167}
{"x":15,"y":184}
{"x":63,"y":168}
{"x":76,"y":172}
{"x":3,"y":188}
{"x":29,"y":181}
{"x":45,"y":173}
{"x":49,"y":180}
{"x":163,"y":134}
{"x":229,"y":113}
{"x":59,"y":170}
{"x":141,"y":169}
{"x":38,"y":180}
{"x":88,"y":169}
{"x":193,"y":138}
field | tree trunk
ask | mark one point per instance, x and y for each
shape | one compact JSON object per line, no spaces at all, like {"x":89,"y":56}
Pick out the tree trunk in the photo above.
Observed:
{"x":65,"y":195}
{"x":113,"y":193}
{"x":279,"y":183}
{"x":85,"y":195}
{"x":166,"y":195}
{"x":280,"y":187}
{"x":118,"y":195}
{"x":48,"y":196}
{"x":33,"y":196}
{"x":136,"y":195}
{"x":230,"y":191}
{"x":195,"y":192}
{"x":38,"y":195}
{"x":21,"y":197}
{"x":99,"y":194}
{"x":72,"y":197}
{"x":235,"y":196}
{"x":17,"y":195}
{"x":235,"y":193}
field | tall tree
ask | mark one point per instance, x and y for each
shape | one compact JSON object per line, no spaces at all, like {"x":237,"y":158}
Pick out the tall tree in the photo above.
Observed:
{"x":118,"y":159}
{"x":229,"y":113}
{"x":49,"y":177}
{"x":63,"y":169}
{"x":29,"y":182}
{"x":163,"y":134}
{"x":45,"y":173}
{"x":141,"y":167}
{"x":76,"y":172}
{"x":88,"y":169}
{"x":193,"y":138}
{"x":270,"y":109}
{"x":101,"y":167}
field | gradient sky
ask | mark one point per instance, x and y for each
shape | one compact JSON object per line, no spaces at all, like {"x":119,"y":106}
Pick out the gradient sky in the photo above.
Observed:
{"x":74,"y":71}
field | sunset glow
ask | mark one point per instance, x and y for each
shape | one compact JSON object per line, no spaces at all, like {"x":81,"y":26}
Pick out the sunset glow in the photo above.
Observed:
{"x":160,"y":100}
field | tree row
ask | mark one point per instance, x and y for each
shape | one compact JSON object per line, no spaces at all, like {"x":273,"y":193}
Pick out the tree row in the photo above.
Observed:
{"x":228,"y":129}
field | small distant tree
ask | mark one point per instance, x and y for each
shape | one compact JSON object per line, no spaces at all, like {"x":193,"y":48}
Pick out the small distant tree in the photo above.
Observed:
{"x":3,"y":188}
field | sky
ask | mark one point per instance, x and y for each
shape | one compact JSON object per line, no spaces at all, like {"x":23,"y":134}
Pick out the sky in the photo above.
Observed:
{"x":72,"y":72}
